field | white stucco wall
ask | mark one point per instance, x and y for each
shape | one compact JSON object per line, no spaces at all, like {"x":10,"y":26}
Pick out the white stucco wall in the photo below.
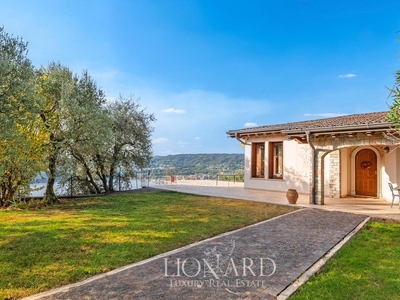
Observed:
{"x":296,"y":160}
{"x":397,"y":164}
{"x":390,"y":172}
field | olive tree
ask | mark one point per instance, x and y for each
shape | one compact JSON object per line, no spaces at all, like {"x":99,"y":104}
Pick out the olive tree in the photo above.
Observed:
{"x":394,"y":112}
{"x":20,"y":152}
{"x":55,"y":92}
{"x":77,"y":124}
{"x":116,"y":152}
{"x":132,"y":144}
{"x":91,"y":135}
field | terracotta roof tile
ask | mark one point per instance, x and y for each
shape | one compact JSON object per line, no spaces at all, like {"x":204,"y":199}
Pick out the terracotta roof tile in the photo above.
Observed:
{"x":328,"y":123}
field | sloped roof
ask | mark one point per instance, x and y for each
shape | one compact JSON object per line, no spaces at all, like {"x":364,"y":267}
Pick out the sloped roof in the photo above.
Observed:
{"x":366,"y":121}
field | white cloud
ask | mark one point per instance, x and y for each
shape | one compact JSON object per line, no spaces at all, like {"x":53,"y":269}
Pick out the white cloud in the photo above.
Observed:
{"x":174,"y":111}
{"x":197,"y":138}
{"x":325,"y":115}
{"x":182,"y":143}
{"x":250,"y":124}
{"x":160,"y":140}
{"x":350,"y":75}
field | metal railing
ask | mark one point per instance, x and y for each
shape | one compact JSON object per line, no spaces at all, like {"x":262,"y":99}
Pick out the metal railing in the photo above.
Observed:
{"x":228,"y":176}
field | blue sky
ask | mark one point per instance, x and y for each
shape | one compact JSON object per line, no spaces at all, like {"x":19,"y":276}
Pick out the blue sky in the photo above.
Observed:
{"x":205,"y":67}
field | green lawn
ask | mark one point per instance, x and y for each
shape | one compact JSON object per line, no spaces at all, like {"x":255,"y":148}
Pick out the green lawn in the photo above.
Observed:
{"x":78,"y":238}
{"x":367,"y":267}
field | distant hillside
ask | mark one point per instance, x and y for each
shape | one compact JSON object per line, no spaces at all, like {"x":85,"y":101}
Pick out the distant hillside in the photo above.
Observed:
{"x":229,"y":162}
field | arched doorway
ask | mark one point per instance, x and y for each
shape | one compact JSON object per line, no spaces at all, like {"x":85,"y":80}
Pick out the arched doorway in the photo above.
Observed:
{"x":366,"y":173}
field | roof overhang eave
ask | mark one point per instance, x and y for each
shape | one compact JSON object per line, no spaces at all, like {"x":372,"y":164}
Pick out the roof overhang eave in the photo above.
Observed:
{"x":324,"y":130}
{"x":235,"y":133}
{"x":341,"y":129}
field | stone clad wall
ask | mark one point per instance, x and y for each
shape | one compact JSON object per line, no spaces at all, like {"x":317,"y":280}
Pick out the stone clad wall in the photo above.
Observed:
{"x":328,"y":142}
{"x":325,"y":144}
{"x":335,"y":174}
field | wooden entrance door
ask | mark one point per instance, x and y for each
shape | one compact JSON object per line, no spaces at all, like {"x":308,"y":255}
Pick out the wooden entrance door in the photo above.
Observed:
{"x":366,"y":178}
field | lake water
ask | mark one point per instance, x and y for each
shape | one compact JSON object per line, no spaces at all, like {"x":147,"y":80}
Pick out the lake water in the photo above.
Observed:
{"x":135,"y":184}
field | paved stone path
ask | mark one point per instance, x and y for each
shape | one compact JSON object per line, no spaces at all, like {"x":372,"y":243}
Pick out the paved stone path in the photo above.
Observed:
{"x":255,"y":262}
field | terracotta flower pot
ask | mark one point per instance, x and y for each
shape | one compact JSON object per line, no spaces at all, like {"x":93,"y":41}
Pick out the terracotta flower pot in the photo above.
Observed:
{"x":292,"y":196}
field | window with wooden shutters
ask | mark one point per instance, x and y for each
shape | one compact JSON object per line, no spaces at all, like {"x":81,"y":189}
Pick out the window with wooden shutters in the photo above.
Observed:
{"x":257,"y":160}
{"x":275,"y":160}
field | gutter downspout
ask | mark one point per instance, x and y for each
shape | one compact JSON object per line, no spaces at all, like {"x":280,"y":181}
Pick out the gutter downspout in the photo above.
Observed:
{"x":313,"y":167}
{"x":238,"y":138}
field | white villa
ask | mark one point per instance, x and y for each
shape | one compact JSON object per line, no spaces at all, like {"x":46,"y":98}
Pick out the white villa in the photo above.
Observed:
{"x":343,"y":156}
